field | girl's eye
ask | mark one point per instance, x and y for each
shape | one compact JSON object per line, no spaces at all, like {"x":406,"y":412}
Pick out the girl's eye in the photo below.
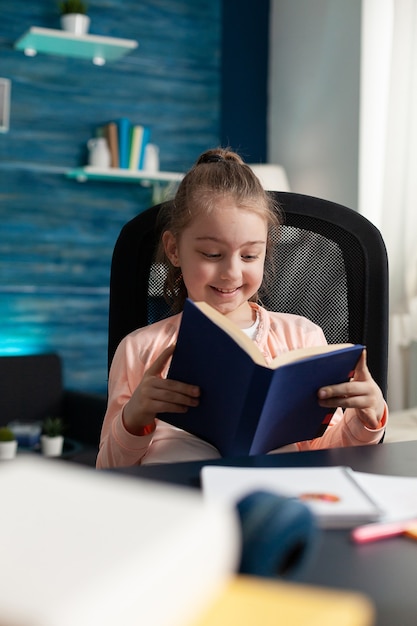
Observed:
{"x":210,"y":256}
{"x":250,"y":257}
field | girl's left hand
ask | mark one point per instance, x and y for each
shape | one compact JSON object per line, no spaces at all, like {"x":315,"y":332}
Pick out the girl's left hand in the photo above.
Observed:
{"x":360,"y":393}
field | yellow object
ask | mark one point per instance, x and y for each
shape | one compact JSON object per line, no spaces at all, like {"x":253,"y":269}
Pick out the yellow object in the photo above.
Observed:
{"x":411,"y":532}
{"x":248,"y":601}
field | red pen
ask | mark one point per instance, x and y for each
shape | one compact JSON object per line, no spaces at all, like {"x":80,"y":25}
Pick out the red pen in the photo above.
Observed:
{"x":383,"y":530}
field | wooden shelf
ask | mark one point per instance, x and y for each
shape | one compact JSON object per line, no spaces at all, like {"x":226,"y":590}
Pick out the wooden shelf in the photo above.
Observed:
{"x":83,"y":174}
{"x":98,"y":49}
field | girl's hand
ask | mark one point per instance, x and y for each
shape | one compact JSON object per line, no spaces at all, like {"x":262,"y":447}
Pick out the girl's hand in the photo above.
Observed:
{"x":361,"y":393}
{"x":155,"y":394}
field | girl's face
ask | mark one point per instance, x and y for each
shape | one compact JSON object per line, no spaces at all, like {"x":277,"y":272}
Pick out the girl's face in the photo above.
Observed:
{"x":221,"y":256}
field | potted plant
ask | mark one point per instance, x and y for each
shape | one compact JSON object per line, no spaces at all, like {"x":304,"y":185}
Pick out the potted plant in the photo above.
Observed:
{"x":8,"y":443}
{"x":52,"y":438}
{"x":73,"y":16}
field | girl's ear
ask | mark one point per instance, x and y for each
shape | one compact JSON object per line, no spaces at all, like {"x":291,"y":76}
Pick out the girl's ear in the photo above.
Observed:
{"x":171,"y":248}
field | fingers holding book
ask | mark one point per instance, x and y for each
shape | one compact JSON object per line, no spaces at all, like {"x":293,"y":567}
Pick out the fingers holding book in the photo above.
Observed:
{"x":156,"y":394}
{"x":360,"y":393}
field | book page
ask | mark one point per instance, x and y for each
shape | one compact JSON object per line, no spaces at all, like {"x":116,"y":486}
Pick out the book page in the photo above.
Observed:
{"x":252,"y":349}
{"x":233,"y":331}
{"x":304,"y":353}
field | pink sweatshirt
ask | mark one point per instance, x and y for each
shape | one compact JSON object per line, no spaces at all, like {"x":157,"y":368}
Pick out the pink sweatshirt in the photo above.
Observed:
{"x":277,"y":333}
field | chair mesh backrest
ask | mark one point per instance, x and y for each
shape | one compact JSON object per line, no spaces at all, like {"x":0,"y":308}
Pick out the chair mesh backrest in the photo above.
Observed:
{"x":330,"y":266}
{"x":309,"y":280}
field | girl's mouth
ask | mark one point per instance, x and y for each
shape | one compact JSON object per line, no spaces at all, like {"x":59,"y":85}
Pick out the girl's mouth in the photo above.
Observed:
{"x":225,"y":291}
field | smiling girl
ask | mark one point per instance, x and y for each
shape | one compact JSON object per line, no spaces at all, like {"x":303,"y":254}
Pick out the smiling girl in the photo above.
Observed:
{"x":215,"y":245}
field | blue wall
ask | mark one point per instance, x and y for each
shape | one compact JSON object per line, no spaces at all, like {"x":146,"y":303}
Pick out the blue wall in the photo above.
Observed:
{"x":57,"y":235}
{"x":244,"y":77}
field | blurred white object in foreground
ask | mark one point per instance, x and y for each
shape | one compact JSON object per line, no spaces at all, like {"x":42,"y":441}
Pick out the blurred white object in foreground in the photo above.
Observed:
{"x":82,"y":547}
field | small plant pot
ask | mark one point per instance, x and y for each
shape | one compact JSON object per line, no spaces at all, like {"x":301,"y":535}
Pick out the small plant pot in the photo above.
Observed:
{"x":8,"y":450}
{"x":52,"y":446}
{"x":76,"y":23}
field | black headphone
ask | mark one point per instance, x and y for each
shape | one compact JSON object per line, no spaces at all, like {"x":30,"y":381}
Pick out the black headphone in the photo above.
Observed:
{"x":278,"y":535}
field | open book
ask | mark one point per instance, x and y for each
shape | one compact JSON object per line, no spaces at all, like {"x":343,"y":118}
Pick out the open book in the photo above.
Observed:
{"x":247,"y":406}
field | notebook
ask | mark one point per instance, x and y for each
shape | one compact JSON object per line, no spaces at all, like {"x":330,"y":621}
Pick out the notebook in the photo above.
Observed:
{"x":333,"y":493}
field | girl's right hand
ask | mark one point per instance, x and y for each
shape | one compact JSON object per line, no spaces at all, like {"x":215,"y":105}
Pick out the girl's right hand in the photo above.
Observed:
{"x":155,"y":394}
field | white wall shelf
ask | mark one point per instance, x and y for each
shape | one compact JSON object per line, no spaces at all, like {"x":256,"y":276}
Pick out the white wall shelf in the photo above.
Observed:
{"x":159,"y":181}
{"x":113,"y":174}
{"x":98,"y":49}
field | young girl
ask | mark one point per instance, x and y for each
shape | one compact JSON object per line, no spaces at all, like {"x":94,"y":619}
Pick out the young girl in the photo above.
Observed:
{"x":215,"y":245}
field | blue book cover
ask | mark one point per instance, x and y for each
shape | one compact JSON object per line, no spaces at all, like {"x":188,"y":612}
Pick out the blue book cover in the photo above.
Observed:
{"x":145,"y":140}
{"x":246,"y":406}
{"x":124,"y":132}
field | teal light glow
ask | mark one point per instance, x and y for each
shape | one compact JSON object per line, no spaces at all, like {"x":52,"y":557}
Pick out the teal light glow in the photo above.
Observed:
{"x":19,"y":344}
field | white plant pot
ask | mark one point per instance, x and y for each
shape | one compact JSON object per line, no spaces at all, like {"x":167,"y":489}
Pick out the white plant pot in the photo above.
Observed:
{"x":8,"y":450}
{"x":76,"y":23}
{"x":52,"y":446}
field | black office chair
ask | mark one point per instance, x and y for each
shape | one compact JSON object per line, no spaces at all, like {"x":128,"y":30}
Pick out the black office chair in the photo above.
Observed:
{"x":331,"y":267}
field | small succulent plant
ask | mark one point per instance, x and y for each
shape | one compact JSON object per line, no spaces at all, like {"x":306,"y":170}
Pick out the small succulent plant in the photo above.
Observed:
{"x":53,"y":426}
{"x":6,"y":434}
{"x":73,"y":6}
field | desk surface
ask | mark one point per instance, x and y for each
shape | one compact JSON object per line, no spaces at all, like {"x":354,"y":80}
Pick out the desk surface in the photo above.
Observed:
{"x":385,"y":571}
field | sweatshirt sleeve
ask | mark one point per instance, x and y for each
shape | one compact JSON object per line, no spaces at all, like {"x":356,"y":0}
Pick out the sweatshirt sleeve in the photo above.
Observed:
{"x":117,"y":446}
{"x":135,"y":353}
{"x":346,"y":429}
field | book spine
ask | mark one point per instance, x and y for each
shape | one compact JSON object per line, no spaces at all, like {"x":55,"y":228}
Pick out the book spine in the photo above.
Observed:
{"x":135,"y":146}
{"x":112,"y":140}
{"x":252,"y":408}
{"x":123,"y":127}
{"x":145,"y":140}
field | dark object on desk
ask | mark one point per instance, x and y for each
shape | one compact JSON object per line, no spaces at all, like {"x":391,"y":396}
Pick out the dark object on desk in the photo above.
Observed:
{"x":31,"y":389}
{"x":278,"y":535}
{"x":331,"y":267}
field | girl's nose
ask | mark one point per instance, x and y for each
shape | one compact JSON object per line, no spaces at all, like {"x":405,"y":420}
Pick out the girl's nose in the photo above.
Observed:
{"x":230,"y":269}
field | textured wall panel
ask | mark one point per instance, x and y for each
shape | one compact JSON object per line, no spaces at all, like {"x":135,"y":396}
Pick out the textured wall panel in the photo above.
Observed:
{"x":56,"y":235}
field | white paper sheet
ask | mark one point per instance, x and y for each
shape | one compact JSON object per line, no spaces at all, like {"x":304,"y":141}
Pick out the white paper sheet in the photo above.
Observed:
{"x":395,"y":495}
{"x":331,"y":492}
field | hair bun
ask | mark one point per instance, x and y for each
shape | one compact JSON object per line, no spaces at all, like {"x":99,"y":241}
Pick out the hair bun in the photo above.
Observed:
{"x":211,"y":157}
{"x":219,"y":155}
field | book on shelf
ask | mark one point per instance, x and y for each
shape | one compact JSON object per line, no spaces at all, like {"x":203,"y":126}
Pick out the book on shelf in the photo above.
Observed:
{"x":111,"y":134}
{"x":247,"y":406}
{"x":145,"y":141}
{"x":139,"y":138}
{"x":124,"y":136}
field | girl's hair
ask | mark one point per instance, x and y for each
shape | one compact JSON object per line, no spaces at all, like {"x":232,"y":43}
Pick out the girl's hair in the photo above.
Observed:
{"x":217,"y":173}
